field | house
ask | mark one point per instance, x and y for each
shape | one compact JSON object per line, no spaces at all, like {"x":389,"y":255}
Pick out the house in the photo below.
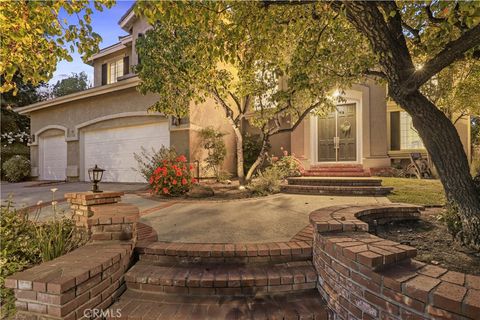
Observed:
{"x":107,"y":124}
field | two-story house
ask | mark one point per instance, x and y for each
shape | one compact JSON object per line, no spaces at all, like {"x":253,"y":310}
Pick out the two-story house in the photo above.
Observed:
{"x":107,"y":124}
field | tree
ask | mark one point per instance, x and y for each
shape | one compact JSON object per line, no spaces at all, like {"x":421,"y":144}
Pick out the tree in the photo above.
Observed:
{"x":415,"y":41}
{"x":74,"y":83}
{"x":454,"y":90}
{"x":240,"y":56}
{"x":34,"y":38}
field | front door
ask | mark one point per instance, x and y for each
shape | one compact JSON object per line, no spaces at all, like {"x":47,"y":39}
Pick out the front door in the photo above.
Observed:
{"x":337,"y":139}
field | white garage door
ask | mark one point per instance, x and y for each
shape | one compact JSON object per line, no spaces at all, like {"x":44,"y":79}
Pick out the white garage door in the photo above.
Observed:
{"x":113,"y":149}
{"x":53,"y":158}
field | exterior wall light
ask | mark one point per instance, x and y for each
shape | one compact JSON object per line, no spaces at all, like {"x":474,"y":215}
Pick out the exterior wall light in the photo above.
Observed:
{"x":95,"y":174}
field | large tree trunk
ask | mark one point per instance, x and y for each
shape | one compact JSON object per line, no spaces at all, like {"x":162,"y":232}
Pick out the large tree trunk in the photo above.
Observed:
{"x":444,"y":145}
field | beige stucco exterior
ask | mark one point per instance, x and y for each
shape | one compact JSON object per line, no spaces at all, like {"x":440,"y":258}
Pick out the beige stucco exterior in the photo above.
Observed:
{"x":118,"y":108}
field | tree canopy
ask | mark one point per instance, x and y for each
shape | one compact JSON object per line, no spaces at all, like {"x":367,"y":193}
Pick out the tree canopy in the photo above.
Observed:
{"x":262,"y":65}
{"x":34,"y":38}
{"x":74,"y":83}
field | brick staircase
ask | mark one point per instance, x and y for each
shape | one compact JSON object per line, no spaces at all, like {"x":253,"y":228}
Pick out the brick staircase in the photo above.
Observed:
{"x":223,"y":281}
{"x":339,"y":186}
{"x":337,"y":170}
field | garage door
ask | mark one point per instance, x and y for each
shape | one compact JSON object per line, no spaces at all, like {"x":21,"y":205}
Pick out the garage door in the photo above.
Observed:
{"x":113,"y":149}
{"x":53,"y":158}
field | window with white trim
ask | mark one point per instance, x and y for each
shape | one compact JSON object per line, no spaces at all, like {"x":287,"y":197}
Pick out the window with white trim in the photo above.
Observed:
{"x":409,"y":138}
{"x":115,"y":70}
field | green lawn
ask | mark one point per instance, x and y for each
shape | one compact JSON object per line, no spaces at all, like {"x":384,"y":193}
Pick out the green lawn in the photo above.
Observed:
{"x":415,"y":191}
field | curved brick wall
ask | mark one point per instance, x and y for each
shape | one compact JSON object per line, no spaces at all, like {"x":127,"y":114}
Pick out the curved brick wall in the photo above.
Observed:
{"x":362,"y":276}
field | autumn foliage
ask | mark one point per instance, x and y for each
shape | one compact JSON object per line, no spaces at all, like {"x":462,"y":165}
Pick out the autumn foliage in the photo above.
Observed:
{"x":172,"y":177}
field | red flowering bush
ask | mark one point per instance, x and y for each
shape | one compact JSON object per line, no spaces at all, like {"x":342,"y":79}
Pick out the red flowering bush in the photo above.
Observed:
{"x":172,"y":177}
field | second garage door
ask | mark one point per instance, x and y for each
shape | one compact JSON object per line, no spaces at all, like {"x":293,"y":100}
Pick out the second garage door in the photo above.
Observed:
{"x":113,"y":149}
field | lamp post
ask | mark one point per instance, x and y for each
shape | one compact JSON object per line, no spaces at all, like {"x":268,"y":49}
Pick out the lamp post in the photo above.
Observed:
{"x":95,"y":174}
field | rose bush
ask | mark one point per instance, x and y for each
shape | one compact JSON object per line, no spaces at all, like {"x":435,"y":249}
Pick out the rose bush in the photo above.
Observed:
{"x":172,"y":177}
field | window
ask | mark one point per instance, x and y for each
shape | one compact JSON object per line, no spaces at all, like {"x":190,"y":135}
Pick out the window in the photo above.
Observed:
{"x":268,"y":79}
{"x":403,"y":134}
{"x":115,"y":70}
{"x":409,"y":138}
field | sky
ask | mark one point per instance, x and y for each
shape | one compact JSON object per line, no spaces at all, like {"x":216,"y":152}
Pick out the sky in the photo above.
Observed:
{"x":104,"y":23}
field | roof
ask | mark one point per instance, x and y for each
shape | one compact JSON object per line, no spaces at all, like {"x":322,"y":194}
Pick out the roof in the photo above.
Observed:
{"x":95,"y":91}
{"x":125,"y":21}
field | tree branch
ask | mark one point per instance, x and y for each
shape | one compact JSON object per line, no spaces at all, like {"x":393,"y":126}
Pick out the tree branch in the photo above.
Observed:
{"x":375,"y":73}
{"x":452,"y":51}
{"x":431,"y":17}
{"x":415,"y":32}
{"x":299,"y":120}
{"x":220,"y":101}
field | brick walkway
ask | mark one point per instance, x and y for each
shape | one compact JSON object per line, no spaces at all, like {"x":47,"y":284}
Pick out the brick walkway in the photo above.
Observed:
{"x":135,"y":305}
{"x":222,"y":281}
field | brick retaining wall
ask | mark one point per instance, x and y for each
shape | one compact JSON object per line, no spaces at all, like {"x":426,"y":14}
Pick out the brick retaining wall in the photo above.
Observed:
{"x":86,"y":278}
{"x":362,"y":276}
{"x":90,"y":277}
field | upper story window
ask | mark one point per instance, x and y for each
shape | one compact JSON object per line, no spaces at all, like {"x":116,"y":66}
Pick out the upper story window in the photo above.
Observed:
{"x":113,"y":70}
{"x":270,"y":80}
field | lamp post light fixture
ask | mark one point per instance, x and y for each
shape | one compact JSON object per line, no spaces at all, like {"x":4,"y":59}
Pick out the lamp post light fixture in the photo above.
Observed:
{"x":95,"y":174}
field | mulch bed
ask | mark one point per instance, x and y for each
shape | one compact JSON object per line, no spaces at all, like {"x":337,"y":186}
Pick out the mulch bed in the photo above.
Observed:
{"x":434,"y":244}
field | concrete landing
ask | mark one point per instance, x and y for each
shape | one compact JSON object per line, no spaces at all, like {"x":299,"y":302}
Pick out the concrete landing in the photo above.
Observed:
{"x":268,"y":219}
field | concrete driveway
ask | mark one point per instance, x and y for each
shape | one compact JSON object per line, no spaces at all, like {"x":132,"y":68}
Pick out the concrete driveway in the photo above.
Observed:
{"x":26,"y":194}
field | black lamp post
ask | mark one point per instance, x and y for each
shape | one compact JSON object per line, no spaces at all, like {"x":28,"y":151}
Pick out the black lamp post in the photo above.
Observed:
{"x":95,"y":175}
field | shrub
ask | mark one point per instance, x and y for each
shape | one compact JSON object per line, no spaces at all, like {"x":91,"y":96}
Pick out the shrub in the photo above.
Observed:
{"x":172,"y":177}
{"x":267,"y":182}
{"x":16,"y":168}
{"x":148,"y":161}
{"x":10,"y":150}
{"x":212,"y":141}
{"x":452,"y":220}
{"x":26,"y":243}
{"x":288,"y":165}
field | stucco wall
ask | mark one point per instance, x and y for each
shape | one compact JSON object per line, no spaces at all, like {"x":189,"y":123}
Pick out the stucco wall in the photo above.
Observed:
{"x":209,"y":114}
{"x":139,"y":26}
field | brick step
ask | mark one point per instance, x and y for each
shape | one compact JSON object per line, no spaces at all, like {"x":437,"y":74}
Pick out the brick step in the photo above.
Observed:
{"x":146,"y":233}
{"x":305,"y":305}
{"x":318,"y":181}
{"x":336,"y":165}
{"x":225,"y":280}
{"x":336,"y":190}
{"x":168,"y":253}
{"x":313,"y":173}
{"x":337,"y":169}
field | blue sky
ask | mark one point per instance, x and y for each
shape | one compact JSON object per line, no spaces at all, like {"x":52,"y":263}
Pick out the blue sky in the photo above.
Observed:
{"x":105,"y":24}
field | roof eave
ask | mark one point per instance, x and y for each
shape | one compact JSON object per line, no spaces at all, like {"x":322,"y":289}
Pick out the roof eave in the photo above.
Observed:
{"x":93,"y":92}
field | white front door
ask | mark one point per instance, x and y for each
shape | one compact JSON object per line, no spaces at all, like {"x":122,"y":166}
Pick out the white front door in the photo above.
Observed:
{"x":53,"y":158}
{"x":113,"y":149}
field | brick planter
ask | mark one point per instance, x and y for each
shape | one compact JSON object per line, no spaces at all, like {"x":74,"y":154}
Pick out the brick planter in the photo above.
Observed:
{"x":362,"y":276}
